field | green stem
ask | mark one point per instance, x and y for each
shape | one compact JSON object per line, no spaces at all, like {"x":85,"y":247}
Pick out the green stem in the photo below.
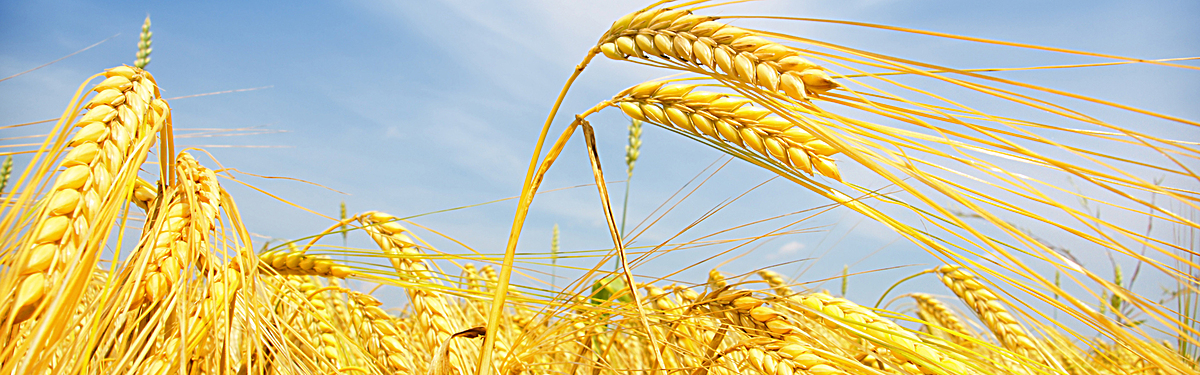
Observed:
{"x":624,"y":212}
{"x":889,"y":289}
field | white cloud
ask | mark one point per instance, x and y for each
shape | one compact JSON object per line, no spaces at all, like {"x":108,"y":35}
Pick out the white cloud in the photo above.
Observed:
{"x":393,"y":131}
{"x":787,"y":250}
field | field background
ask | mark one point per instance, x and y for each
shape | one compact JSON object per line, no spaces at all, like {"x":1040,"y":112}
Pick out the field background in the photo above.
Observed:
{"x":414,"y":107}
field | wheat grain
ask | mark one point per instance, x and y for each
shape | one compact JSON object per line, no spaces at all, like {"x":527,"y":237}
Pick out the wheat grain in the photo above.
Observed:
{"x":143,"y":194}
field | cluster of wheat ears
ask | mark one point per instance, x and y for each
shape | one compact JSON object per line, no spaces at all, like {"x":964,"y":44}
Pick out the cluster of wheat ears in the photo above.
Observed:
{"x":192,"y":295}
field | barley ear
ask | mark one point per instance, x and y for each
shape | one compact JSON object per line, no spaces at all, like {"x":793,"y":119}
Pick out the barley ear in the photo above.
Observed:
{"x":632,"y":150}
{"x":343,"y":227}
{"x":143,"y":54}
{"x":5,"y":172}
{"x":554,"y":255}
{"x":990,"y":308}
{"x":845,"y":279}
{"x":635,"y":145}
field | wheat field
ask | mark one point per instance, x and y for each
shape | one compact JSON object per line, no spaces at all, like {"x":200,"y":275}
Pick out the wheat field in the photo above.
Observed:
{"x":882,"y":214}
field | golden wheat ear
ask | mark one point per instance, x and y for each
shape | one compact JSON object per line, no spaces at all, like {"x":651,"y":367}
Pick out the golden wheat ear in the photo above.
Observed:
{"x":433,"y":316}
{"x":729,"y":119}
{"x":678,"y":39}
{"x":114,"y":137}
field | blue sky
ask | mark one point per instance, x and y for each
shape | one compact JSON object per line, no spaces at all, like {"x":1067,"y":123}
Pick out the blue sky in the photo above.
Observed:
{"x":411,"y":107}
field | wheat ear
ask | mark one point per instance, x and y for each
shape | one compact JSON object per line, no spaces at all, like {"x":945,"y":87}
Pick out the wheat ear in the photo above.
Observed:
{"x":777,"y":344}
{"x":729,"y":119}
{"x":114,"y":136}
{"x":687,"y":41}
{"x":990,"y":309}
{"x":143,"y":53}
{"x":934,"y":312}
{"x":887,"y":337}
{"x":296,"y":262}
{"x":5,"y":172}
{"x":433,"y":316}
{"x":180,"y":232}
{"x":777,"y":282}
{"x":378,"y":332}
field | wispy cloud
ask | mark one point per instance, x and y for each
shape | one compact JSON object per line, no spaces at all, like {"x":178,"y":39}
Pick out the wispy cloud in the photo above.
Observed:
{"x":786,"y":251}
